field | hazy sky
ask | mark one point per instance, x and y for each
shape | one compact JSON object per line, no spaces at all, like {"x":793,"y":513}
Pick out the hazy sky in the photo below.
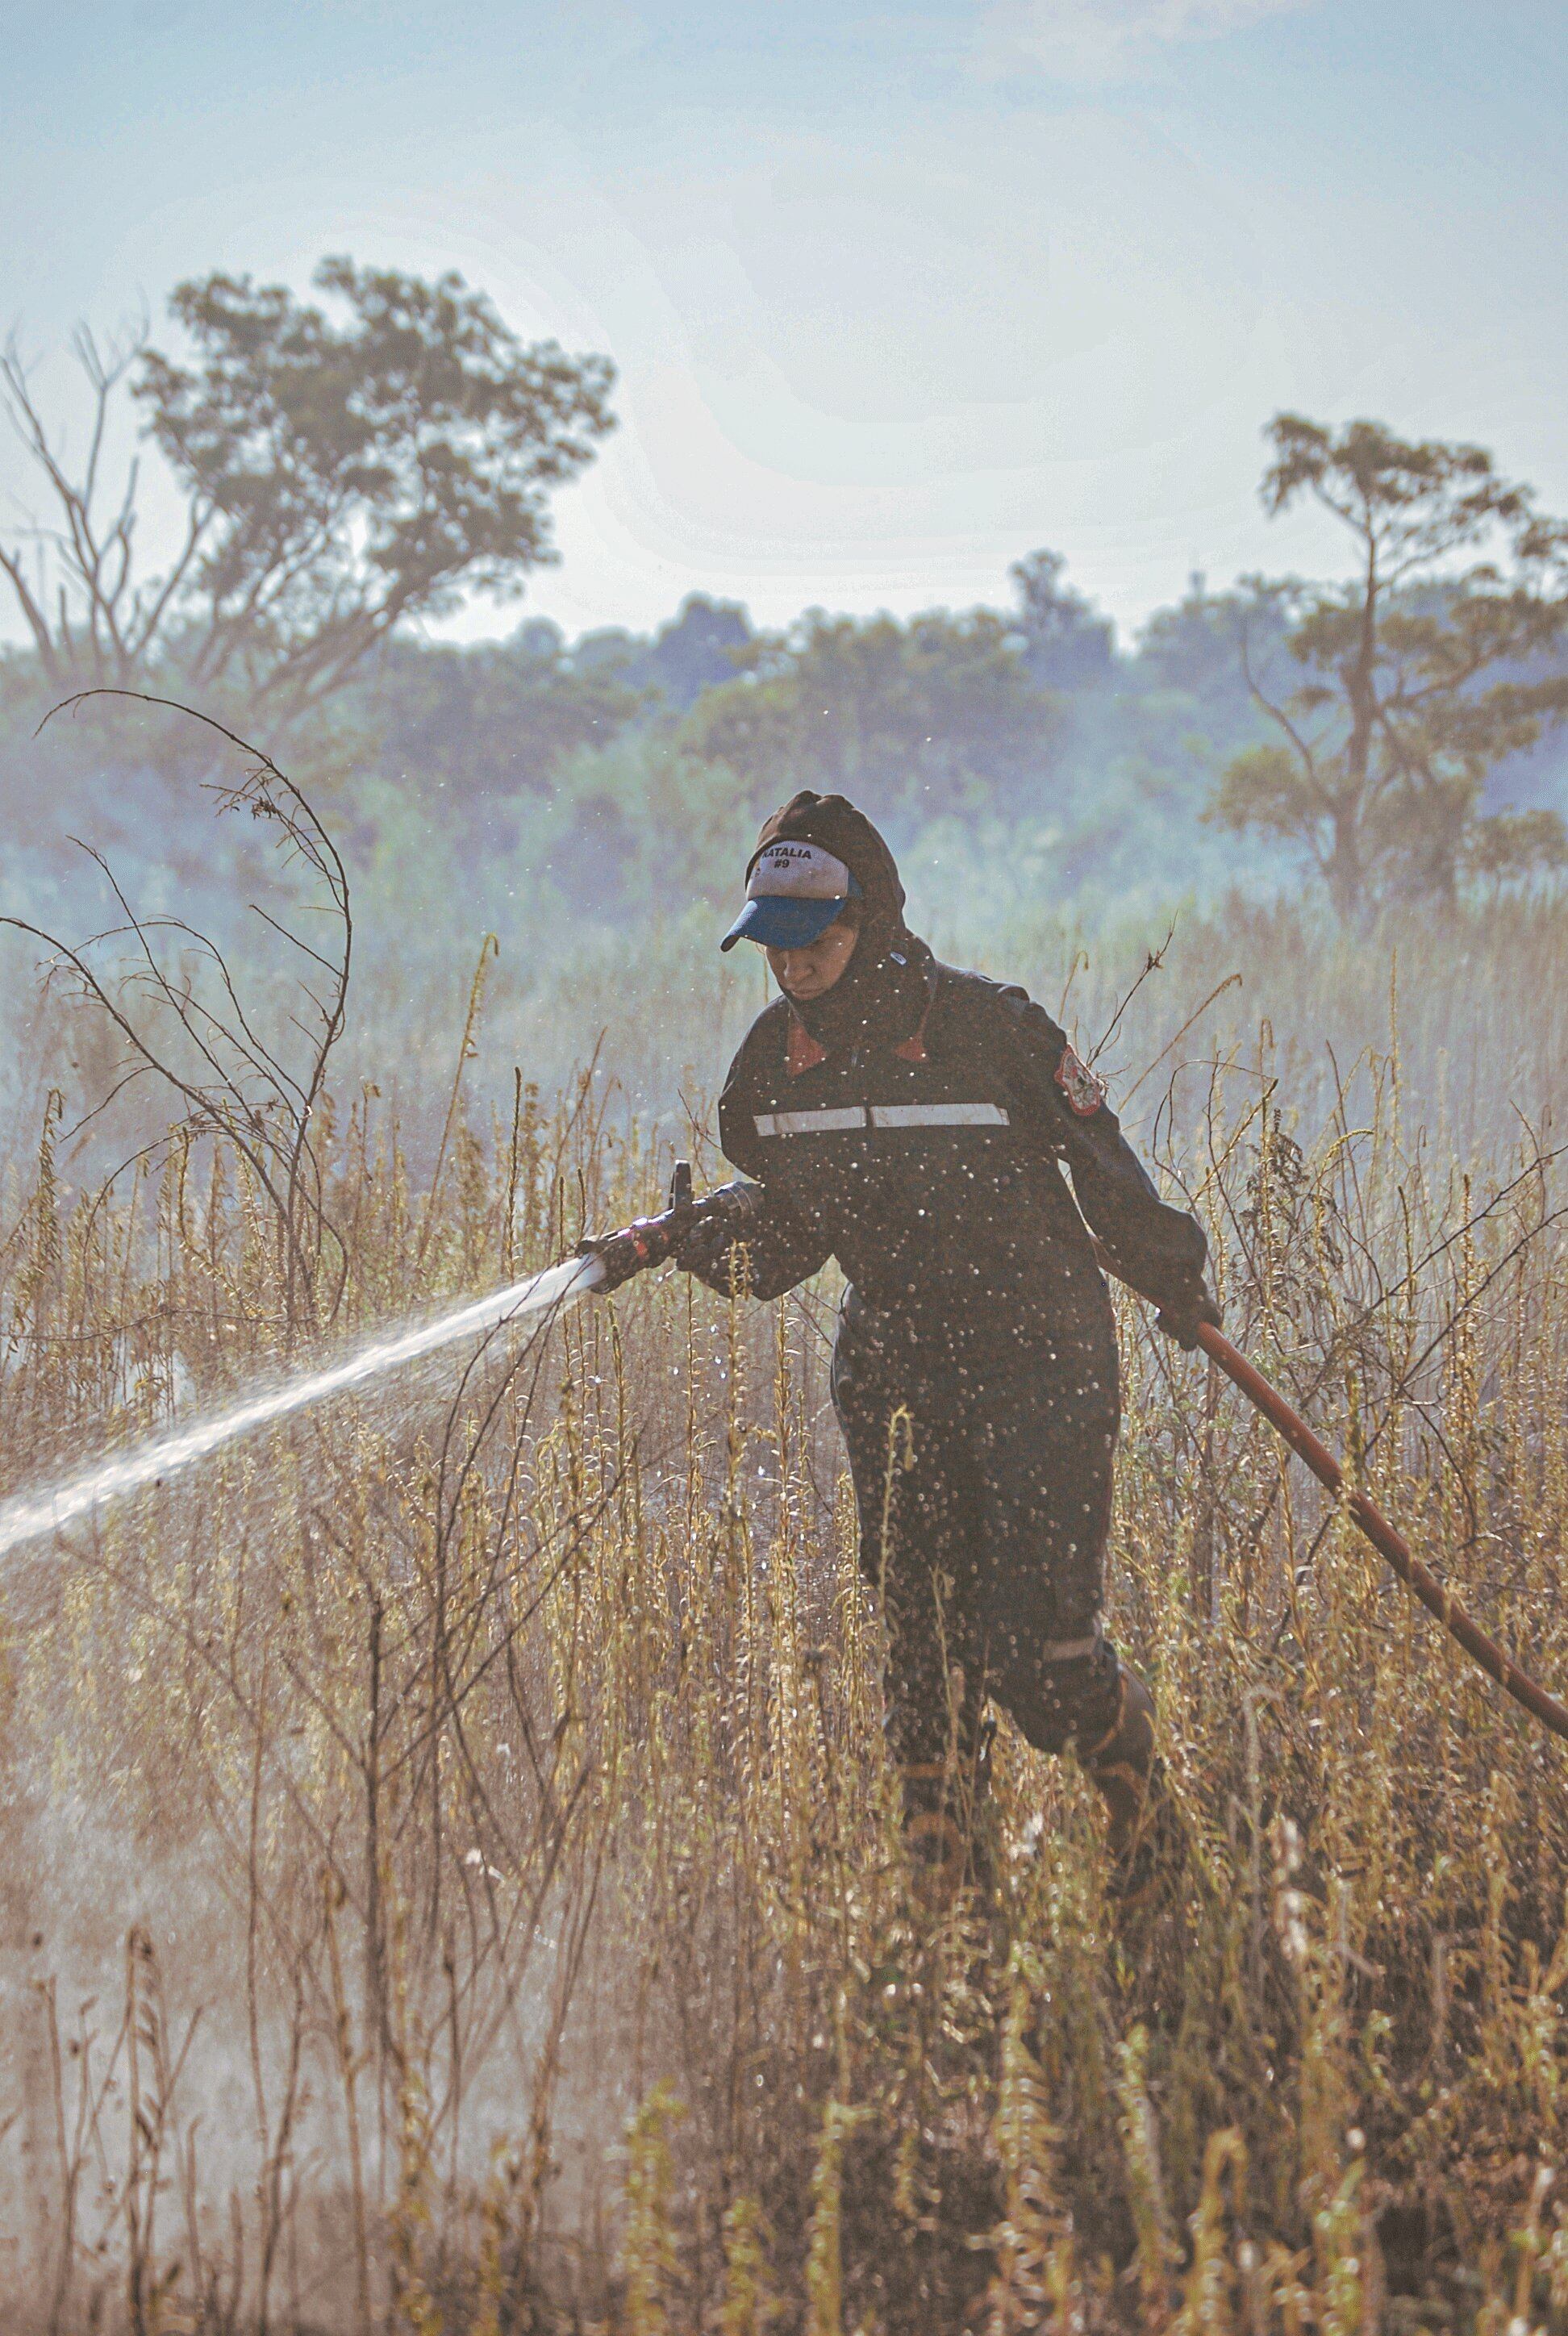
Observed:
{"x":896,"y":293}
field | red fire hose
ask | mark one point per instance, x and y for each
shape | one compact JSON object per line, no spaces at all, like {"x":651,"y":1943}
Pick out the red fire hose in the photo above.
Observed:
{"x":1389,"y":1543}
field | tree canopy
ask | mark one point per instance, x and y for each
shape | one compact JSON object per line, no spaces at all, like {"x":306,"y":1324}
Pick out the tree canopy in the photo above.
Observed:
{"x":346,"y":466}
{"x":1420,"y":673}
{"x":363,"y":460}
{"x":1066,"y":643}
{"x":939,"y":714}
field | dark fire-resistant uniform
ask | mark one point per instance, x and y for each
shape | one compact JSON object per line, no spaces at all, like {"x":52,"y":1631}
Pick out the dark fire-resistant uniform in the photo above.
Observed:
{"x":931,"y":1169}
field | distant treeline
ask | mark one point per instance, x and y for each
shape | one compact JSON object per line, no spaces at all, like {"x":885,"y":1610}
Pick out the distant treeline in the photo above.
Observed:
{"x":359,"y":465}
{"x":622,"y":774}
{"x":1093,"y":759}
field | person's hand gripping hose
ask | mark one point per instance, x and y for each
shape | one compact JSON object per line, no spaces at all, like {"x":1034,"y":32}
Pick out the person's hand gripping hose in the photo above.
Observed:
{"x":1183,"y":1318}
{"x":694,"y":1234}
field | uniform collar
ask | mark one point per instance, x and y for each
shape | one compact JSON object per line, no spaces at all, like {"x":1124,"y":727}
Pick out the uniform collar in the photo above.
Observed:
{"x":803,"y":1052}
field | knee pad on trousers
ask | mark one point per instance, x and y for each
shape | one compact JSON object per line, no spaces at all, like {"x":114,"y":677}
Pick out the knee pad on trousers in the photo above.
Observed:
{"x":1076,"y":1698}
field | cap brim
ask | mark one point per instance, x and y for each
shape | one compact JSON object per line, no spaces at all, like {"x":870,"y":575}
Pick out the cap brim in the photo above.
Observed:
{"x":782,"y":921}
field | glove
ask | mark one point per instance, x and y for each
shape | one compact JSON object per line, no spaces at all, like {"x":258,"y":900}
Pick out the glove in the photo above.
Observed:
{"x":704,"y":1250}
{"x":1180,"y":1317}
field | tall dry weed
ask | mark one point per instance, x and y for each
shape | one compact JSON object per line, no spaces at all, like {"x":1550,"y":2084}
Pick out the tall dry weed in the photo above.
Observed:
{"x":478,"y":1769}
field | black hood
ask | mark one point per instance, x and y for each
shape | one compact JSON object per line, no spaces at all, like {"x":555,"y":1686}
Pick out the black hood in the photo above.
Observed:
{"x":833,"y":823}
{"x":882,"y":996}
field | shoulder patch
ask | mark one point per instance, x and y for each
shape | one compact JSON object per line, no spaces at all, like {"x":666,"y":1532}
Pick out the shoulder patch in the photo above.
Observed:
{"x":1083,"y":1088}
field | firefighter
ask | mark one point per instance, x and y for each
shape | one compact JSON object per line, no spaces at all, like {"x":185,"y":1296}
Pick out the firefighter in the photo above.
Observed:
{"x":914,"y":1121}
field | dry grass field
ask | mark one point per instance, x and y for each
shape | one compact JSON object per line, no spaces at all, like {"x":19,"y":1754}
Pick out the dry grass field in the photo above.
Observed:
{"x":452,"y":1879}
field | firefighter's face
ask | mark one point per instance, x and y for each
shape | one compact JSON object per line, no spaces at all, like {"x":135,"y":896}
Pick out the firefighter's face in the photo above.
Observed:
{"x":807,"y":973}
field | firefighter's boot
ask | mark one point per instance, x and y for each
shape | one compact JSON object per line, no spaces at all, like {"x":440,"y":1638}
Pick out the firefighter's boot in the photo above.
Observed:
{"x":944,"y":1840}
{"x":1126,"y":1770}
{"x":1123,"y":1762}
{"x":933,"y":1838}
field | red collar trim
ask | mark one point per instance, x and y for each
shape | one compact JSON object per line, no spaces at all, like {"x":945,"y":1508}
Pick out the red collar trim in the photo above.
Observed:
{"x":801,"y":1052}
{"x":912,"y":1049}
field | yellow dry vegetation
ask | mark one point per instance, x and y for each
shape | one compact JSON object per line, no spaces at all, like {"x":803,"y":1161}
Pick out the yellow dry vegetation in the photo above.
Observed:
{"x":453,"y":1880}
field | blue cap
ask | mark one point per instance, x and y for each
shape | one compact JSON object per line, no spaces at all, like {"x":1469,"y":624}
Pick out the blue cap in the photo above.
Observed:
{"x":782,"y":921}
{"x":794,"y":892}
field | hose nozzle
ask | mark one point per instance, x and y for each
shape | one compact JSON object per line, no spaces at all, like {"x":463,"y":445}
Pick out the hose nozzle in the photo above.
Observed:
{"x":648,"y":1242}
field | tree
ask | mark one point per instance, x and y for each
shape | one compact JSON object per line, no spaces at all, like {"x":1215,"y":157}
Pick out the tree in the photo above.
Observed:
{"x":936,"y":715}
{"x":1438,"y":658}
{"x":490,"y":722}
{"x":1191,"y":648}
{"x":1066,"y":643}
{"x":342,"y":472}
{"x":1511,"y":846}
{"x":701,"y":645}
{"x":698,"y":648}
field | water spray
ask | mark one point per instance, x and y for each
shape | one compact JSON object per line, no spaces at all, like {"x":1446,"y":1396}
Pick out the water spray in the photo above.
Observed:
{"x":27,"y":1518}
{"x":601,"y":1263}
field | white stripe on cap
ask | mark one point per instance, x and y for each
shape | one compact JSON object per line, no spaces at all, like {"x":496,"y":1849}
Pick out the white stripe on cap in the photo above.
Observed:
{"x":800,"y":872}
{"x":882,"y":1115}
